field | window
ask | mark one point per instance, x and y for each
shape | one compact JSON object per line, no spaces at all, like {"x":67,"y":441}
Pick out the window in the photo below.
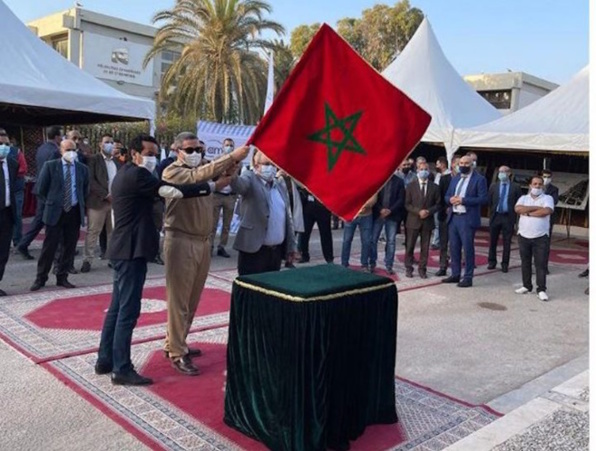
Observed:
{"x":499,"y":99}
{"x":168,"y":57}
{"x":60,"y":44}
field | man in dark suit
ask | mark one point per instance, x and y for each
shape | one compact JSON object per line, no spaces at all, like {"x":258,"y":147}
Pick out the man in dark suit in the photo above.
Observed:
{"x":552,"y":191}
{"x":63,"y":186}
{"x":102,"y":170}
{"x":133,"y":243}
{"x":466,"y":194}
{"x":444,"y":181}
{"x":266,"y":233}
{"x":8,"y":177}
{"x":502,"y":196}
{"x":50,"y":150}
{"x":314,"y":212}
{"x":422,"y":202}
{"x":388,"y":212}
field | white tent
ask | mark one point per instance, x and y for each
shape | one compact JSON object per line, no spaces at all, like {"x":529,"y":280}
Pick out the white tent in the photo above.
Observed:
{"x":39,"y":87}
{"x":558,"y":122}
{"x":423,"y":73}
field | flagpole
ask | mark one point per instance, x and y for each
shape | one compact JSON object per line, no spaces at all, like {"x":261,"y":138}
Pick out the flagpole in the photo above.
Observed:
{"x":270,"y":84}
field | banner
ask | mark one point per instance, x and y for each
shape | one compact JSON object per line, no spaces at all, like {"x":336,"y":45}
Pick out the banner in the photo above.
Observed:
{"x":213,"y":135}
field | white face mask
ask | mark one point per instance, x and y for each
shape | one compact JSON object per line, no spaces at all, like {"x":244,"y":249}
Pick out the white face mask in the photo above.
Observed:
{"x":70,"y":156}
{"x":149,"y":163}
{"x":192,"y":160}
{"x":536,"y":191}
{"x":268,"y":172}
{"x":547,"y":180}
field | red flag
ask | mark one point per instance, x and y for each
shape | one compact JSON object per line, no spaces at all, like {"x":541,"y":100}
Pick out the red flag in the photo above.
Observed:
{"x":338,"y":126}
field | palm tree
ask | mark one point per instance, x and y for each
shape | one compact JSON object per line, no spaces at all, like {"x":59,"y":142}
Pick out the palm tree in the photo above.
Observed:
{"x":221,"y":73}
{"x":284,"y":62}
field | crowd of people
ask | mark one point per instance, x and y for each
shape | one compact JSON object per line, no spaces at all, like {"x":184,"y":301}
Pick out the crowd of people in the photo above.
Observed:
{"x":127,"y":198}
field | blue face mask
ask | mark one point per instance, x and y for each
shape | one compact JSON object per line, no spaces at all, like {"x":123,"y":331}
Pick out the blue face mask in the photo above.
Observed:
{"x":228,"y":149}
{"x":503,"y":177}
{"x":108,"y":148}
{"x":423,"y":174}
{"x":4,"y":151}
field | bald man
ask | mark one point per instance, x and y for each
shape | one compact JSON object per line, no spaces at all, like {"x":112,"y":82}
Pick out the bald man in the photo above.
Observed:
{"x":502,"y":196}
{"x":62,"y":186}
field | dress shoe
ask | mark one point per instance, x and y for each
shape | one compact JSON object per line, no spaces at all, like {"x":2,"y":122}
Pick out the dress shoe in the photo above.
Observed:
{"x":86,"y":267}
{"x":130,"y":378}
{"x":25,"y":253}
{"x":194,"y":352}
{"x":64,"y":283}
{"x":101,"y":369}
{"x":409,"y":274}
{"x":451,"y":279}
{"x":435,"y":247}
{"x":422,"y":274}
{"x":585,"y":273}
{"x":158,"y":260}
{"x":390,"y":271}
{"x":304,"y":260}
{"x":290,"y":265}
{"x":110,"y":265}
{"x":221,"y":252}
{"x":504,"y":268}
{"x":72,"y":270}
{"x":372,"y":269}
{"x":465,"y":283}
{"x":3,"y":293}
{"x":491,"y":266}
{"x":441,"y":273}
{"x":185,"y":366}
{"x":38,"y":284}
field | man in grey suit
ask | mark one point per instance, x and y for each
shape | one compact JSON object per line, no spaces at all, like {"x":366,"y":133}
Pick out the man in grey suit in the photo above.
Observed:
{"x":266,"y":233}
{"x":62,"y":186}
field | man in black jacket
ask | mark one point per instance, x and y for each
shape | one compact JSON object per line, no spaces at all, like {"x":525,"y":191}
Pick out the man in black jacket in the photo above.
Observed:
{"x":388,"y":212}
{"x":443,"y":226}
{"x":134,"y":242}
{"x":502,"y":197}
{"x":8,"y":177}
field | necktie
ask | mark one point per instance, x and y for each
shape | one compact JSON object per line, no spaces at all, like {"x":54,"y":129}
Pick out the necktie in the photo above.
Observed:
{"x":68,"y":189}
{"x":502,"y":198}
{"x":2,"y":184}
{"x":460,"y":185}
{"x":423,"y":189}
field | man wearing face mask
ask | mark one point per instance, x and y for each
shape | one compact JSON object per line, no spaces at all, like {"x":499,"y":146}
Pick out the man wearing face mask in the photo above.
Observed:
{"x":422,"y":202}
{"x":552,"y":191}
{"x":172,"y":156}
{"x":266,"y":234}
{"x":63,"y":186}
{"x":466,"y":194}
{"x":133,"y":243}
{"x":502,"y":196}
{"x":8,"y":177}
{"x":188,"y":226}
{"x":102,"y":170}
{"x":443,"y":228}
{"x":224,"y":201}
{"x":534,"y":210}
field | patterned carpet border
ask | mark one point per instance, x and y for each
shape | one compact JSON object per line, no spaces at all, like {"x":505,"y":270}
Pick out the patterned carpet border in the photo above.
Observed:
{"x":431,"y":420}
{"x":43,"y":344}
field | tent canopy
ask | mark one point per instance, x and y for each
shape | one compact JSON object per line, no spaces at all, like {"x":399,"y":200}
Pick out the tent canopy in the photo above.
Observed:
{"x":558,"y":122}
{"x":423,"y":73}
{"x":40,"y":87}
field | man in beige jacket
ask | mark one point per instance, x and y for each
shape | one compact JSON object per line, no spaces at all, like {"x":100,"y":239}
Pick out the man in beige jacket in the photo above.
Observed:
{"x":187,"y":252}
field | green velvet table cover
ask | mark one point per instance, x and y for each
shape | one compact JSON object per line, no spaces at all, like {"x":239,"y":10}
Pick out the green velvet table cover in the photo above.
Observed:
{"x":311,"y":356}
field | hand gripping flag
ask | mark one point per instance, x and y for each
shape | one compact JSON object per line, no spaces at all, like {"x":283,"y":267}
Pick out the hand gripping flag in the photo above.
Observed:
{"x":338,"y":127}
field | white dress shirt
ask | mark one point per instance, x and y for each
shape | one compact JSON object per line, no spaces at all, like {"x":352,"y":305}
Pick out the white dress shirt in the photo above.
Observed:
{"x":6,"y":182}
{"x":462,"y":186}
{"x":111,"y":168}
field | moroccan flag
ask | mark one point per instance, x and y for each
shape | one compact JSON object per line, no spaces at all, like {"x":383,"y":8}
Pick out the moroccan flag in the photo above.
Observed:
{"x":338,"y":126}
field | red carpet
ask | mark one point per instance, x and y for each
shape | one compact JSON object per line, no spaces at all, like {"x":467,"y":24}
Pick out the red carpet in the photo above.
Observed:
{"x":181,"y":412}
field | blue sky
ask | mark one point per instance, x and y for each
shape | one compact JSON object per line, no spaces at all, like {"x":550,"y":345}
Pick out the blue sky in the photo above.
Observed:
{"x":546,"y":38}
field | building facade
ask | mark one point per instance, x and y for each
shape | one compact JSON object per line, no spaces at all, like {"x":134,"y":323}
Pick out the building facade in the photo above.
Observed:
{"x":109,"y":48}
{"x":510,"y":91}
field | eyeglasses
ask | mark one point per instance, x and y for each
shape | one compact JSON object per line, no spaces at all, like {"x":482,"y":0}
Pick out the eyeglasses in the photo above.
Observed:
{"x":76,"y":139}
{"x":190,"y":150}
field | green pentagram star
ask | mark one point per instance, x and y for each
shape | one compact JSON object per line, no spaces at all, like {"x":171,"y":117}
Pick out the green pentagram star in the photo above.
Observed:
{"x":348,"y":143}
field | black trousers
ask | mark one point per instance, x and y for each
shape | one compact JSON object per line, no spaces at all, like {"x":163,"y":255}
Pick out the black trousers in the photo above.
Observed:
{"x":501,"y":224}
{"x":103,"y":240}
{"x":536,"y":248}
{"x":6,"y":225}
{"x":266,"y":259}
{"x":67,"y":229}
{"x":444,"y":243}
{"x":34,"y":228}
{"x":315,"y":212}
{"x":411,"y":238}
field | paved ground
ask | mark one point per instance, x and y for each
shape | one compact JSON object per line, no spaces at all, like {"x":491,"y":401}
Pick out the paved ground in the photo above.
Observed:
{"x":506,"y":352}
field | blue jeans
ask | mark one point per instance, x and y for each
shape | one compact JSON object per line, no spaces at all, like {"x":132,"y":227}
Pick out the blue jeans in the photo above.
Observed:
{"x":365,"y":223}
{"x":390,"y":232}
{"x":122,"y":316}
{"x":17,"y":232}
